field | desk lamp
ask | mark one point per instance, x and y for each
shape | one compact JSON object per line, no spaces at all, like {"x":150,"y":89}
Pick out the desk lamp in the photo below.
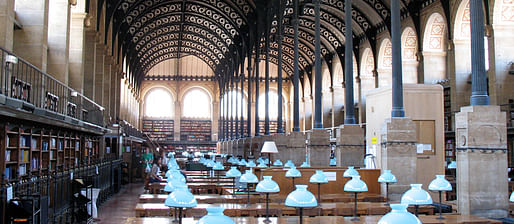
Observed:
{"x":289,"y":163}
{"x":215,"y":216}
{"x":293,"y":173}
{"x":355,"y":185}
{"x":267,"y":185}
{"x":305,"y":164}
{"x":233,"y":172}
{"x":249,"y":178}
{"x":319,"y":178}
{"x":251,"y":164}
{"x":452,"y":165}
{"x":277,"y":163}
{"x":180,"y":198}
{"x":387,"y":177}
{"x":440,"y":184}
{"x":269,"y":147}
{"x":301,"y":198}
{"x":399,"y":214}
{"x":350,"y":172}
{"x":218,"y":166}
{"x":416,"y":196}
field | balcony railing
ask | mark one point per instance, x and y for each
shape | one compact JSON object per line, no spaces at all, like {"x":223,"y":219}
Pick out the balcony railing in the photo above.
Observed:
{"x":26,"y":87}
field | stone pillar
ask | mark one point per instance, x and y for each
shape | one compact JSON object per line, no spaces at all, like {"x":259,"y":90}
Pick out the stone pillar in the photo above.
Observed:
{"x":317,"y":67}
{"x":6,"y":24}
{"x":296,"y":148}
{"x":107,"y":86}
{"x":296,"y":94}
{"x":284,"y":153}
{"x":178,"y":115}
{"x":348,"y":67}
{"x":31,"y":41}
{"x":99,"y":73}
{"x":59,"y":39}
{"x":350,"y":148}
{"x":115,"y":88}
{"x":399,"y":154}
{"x":214,"y":126}
{"x":319,"y":147}
{"x":482,"y":188}
{"x":77,"y":48}
{"x":89,"y":59}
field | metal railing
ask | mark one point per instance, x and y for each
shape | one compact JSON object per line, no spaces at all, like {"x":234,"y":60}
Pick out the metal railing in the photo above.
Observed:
{"x":35,"y":89}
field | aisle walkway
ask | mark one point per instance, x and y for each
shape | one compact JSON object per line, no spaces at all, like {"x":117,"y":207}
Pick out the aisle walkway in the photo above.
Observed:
{"x":121,"y":206}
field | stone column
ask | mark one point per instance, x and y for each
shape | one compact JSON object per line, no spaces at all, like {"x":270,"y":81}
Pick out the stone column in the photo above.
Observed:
{"x":99,"y":73}
{"x":115,"y":88}
{"x":319,"y":147}
{"x":77,"y":48}
{"x":399,"y":154}
{"x":89,"y":59}
{"x":296,"y":148}
{"x":178,"y":115}
{"x":317,"y":67}
{"x":350,"y":148}
{"x":59,"y":39}
{"x":296,"y":94}
{"x":107,"y":86}
{"x":6,"y":24}
{"x":214,"y":126}
{"x":31,"y":41}
{"x":348,"y":66}
{"x":482,"y":188}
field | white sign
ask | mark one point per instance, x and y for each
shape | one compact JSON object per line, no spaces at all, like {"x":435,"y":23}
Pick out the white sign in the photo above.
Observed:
{"x":9,"y":193}
{"x":331,"y":176}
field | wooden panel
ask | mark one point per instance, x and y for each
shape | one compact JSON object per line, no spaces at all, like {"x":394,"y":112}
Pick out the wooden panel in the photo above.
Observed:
{"x":369,"y":176}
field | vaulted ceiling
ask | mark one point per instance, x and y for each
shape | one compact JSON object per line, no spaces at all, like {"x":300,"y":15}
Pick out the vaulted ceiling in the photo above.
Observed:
{"x":224,"y":32}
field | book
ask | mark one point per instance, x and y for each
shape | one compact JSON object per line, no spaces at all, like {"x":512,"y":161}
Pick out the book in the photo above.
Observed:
{"x":7,"y":155}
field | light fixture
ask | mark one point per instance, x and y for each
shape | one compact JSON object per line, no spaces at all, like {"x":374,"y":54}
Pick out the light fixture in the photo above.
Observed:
{"x":248,"y":178}
{"x":181,"y":198}
{"x":399,"y":214}
{"x":355,"y":185}
{"x":233,"y":173}
{"x":387,"y":177}
{"x":75,"y":94}
{"x":267,"y":185}
{"x":242,"y":162}
{"x":293,"y":173}
{"x":215,"y":216}
{"x":416,"y":196}
{"x":218,"y":166}
{"x":350,"y":172}
{"x":511,"y":199}
{"x":277,"y":163}
{"x":269,"y":147}
{"x":289,"y":163}
{"x":172,"y":184}
{"x":452,"y":165}
{"x":301,"y":198}
{"x":11,"y":59}
{"x":333,"y":161}
{"x":305,"y":164}
{"x":262,"y":164}
{"x":440,"y":184}
{"x":319,"y":178}
{"x":251,"y":164}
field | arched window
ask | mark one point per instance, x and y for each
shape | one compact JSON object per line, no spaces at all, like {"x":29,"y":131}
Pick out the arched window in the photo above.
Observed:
{"x":434,"y":52}
{"x":385,"y":60}
{"x":159,"y":104}
{"x":232,"y":97}
{"x":196,"y":104}
{"x":409,"y":56}
{"x":273,"y":105}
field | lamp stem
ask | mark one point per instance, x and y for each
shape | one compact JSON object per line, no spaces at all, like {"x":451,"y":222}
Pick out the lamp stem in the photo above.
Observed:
{"x":248,"y":192}
{"x":355,"y":208}
{"x":180,"y":215}
{"x":416,"y":210}
{"x":267,"y":204}
{"x":293,"y":182}
{"x":233,"y":186}
{"x":269,"y":158}
{"x":319,"y":193}
{"x":301,"y":215}
{"x":175,"y":214}
{"x":387,"y":194}
{"x":440,"y":205}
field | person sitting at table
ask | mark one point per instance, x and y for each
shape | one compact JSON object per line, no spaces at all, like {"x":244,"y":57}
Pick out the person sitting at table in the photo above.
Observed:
{"x":156,"y":171}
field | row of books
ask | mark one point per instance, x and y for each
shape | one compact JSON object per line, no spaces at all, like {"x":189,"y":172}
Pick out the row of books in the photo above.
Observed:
{"x":25,"y":156}
{"x":35,"y":163}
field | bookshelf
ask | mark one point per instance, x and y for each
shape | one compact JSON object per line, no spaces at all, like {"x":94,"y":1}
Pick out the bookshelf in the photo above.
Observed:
{"x":37,"y":151}
{"x":195,"y":130}
{"x":159,"y":129}
{"x":273,"y":126}
{"x":191,"y":147}
{"x":448,"y":122}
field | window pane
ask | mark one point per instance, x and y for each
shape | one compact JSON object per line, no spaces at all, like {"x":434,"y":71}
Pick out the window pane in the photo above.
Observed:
{"x":158,"y":104}
{"x":197,"y":104}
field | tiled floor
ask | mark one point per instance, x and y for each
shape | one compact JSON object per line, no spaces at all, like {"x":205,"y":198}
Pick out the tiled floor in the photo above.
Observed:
{"x":121,"y":206}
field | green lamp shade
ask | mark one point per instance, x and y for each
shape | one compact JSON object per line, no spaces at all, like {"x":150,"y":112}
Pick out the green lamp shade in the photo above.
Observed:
{"x":305,"y":164}
{"x":387,"y":177}
{"x":233,"y":172}
{"x":215,"y":216}
{"x":439,"y":184}
{"x":262,"y":165}
{"x":319,"y":177}
{"x":355,"y":185}
{"x":399,"y":214}
{"x":277,"y":163}
{"x":289,"y":163}
{"x":267,"y":185}
{"x":301,"y":197}
{"x":242,"y":162}
{"x":350,"y":172}
{"x":260,"y":160}
{"x":251,"y":163}
{"x":452,"y":165}
{"x":333,"y":161}
{"x":180,"y":198}
{"x":249,"y":177}
{"x":173,"y":183}
{"x":218,"y":166}
{"x":293,"y":172}
{"x":416,"y":196}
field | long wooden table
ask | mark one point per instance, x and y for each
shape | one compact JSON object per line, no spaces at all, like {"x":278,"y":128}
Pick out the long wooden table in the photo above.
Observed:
{"x":252,"y":210}
{"x":242,"y":198}
{"x":322,"y":220}
{"x":196,"y":188}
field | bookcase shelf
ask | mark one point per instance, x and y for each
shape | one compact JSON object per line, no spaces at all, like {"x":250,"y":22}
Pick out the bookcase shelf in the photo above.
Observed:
{"x":195,"y":130}
{"x":38,"y":150}
{"x":273,"y":126}
{"x":159,"y":129}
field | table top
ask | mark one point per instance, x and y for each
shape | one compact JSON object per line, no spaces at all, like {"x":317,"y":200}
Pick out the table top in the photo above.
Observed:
{"x":319,"y":220}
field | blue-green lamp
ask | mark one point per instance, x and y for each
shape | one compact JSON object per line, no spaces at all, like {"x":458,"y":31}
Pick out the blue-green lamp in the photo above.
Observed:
{"x":399,"y":214}
{"x":387,"y":177}
{"x":180,"y":198}
{"x":293,"y":173}
{"x":267,"y":185}
{"x":301,"y":198}
{"x":319,"y":178}
{"x":416,"y":196}
{"x":248,"y":178}
{"x":440,"y":184}
{"x":355,"y":185}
